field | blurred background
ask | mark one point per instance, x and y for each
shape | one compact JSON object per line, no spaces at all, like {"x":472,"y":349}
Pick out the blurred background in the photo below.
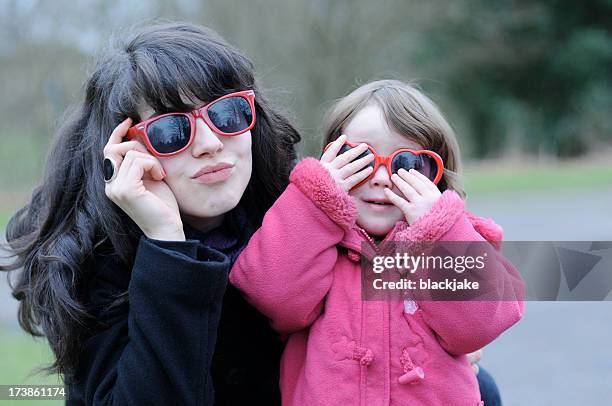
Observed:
{"x":527,"y":85}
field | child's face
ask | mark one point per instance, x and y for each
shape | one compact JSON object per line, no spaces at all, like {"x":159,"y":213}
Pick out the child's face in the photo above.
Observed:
{"x":369,"y":126}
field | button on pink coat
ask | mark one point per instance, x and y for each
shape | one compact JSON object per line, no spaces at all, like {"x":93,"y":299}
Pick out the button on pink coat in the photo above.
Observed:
{"x":302,"y":270}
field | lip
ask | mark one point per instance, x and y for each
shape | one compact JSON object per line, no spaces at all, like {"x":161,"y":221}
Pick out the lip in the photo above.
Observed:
{"x":375,"y":200}
{"x":378,"y":205}
{"x":214,"y":173}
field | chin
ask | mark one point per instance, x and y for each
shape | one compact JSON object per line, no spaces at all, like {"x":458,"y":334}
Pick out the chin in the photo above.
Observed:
{"x":210,"y":207}
{"x":377,"y":228}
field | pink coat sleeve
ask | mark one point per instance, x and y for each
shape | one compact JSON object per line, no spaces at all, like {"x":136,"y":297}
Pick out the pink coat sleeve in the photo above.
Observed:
{"x":466,"y":326}
{"x":285,"y":271}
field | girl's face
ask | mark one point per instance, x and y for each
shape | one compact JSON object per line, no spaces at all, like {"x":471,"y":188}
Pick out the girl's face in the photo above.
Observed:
{"x":203,"y":199}
{"x":369,"y":126}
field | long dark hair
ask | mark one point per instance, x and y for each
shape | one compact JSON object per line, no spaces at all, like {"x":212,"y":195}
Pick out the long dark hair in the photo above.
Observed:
{"x":69,"y":215}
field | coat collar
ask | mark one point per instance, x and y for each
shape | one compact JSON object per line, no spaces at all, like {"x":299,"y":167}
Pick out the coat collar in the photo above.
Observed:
{"x":356,"y":239}
{"x":355,"y":236}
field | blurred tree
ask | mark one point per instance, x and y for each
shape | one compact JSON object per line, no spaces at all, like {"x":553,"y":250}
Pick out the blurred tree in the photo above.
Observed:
{"x":544,"y":64}
{"x":511,"y":75}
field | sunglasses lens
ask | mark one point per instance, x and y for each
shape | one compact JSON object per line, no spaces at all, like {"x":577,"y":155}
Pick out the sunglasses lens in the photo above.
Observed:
{"x":169,"y":134}
{"x":231,"y":115}
{"x":407,"y":160}
{"x":346,"y":147}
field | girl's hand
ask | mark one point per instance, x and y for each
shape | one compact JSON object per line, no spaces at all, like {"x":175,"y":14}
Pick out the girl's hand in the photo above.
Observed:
{"x":419,"y":192}
{"x":139,"y":190}
{"x":346,"y":172}
{"x":474,"y":358}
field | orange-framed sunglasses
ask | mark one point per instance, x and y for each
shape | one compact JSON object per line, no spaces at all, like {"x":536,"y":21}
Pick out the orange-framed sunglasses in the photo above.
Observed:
{"x":172,"y":133}
{"x":425,"y":161}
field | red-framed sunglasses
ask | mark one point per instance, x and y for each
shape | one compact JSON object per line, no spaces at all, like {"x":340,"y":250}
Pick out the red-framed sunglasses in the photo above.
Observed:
{"x":423,"y":160}
{"x":172,"y":133}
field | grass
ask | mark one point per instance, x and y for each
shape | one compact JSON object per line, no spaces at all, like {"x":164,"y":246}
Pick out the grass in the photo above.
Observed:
{"x":21,"y":354}
{"x":488,"y":178}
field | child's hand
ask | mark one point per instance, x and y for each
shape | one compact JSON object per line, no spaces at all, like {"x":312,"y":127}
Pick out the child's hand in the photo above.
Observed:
{"x":346,"y":171}
{"x":474,"y":358}
{"x":419,"y":192}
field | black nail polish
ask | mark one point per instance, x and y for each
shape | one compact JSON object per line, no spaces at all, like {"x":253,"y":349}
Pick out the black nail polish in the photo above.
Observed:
{"x":108,"y":169}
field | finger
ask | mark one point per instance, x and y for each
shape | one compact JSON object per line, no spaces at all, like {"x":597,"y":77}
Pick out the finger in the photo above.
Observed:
{"x":355,"y":166}
{"x":333,"y":149}
{"x":354,"y":179}
{"x":428,"y":182}
{"x":143,"y":163}
{"x":141,"y":167}
{"x":120,"y":131}
{"x":407,"y":189}
{"x":118,"y":151}
{"x":123,"y":185}
{"x":475,"y":356}
{"x":413,"y":180}
{"x":398,"y":201}
{"x":115,"y":189}
{"x":349,"y":156}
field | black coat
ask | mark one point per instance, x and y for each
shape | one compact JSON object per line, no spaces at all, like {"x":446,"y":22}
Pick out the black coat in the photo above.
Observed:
{"x":185,"y":337}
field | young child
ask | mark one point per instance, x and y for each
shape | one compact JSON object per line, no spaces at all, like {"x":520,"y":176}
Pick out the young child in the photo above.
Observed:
{"x":302,"y":267}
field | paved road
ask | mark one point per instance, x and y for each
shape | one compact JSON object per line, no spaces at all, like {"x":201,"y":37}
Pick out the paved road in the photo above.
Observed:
{"x":561,"y":352}
{"x":579,"y":215}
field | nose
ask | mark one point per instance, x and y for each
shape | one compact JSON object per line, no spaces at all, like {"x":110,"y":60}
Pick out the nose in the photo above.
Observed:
{"x":381,"y":178}
{"x":205,"y":141}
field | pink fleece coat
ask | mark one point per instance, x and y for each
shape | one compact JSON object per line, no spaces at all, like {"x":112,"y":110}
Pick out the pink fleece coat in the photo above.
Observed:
{"x":302,"y":270}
